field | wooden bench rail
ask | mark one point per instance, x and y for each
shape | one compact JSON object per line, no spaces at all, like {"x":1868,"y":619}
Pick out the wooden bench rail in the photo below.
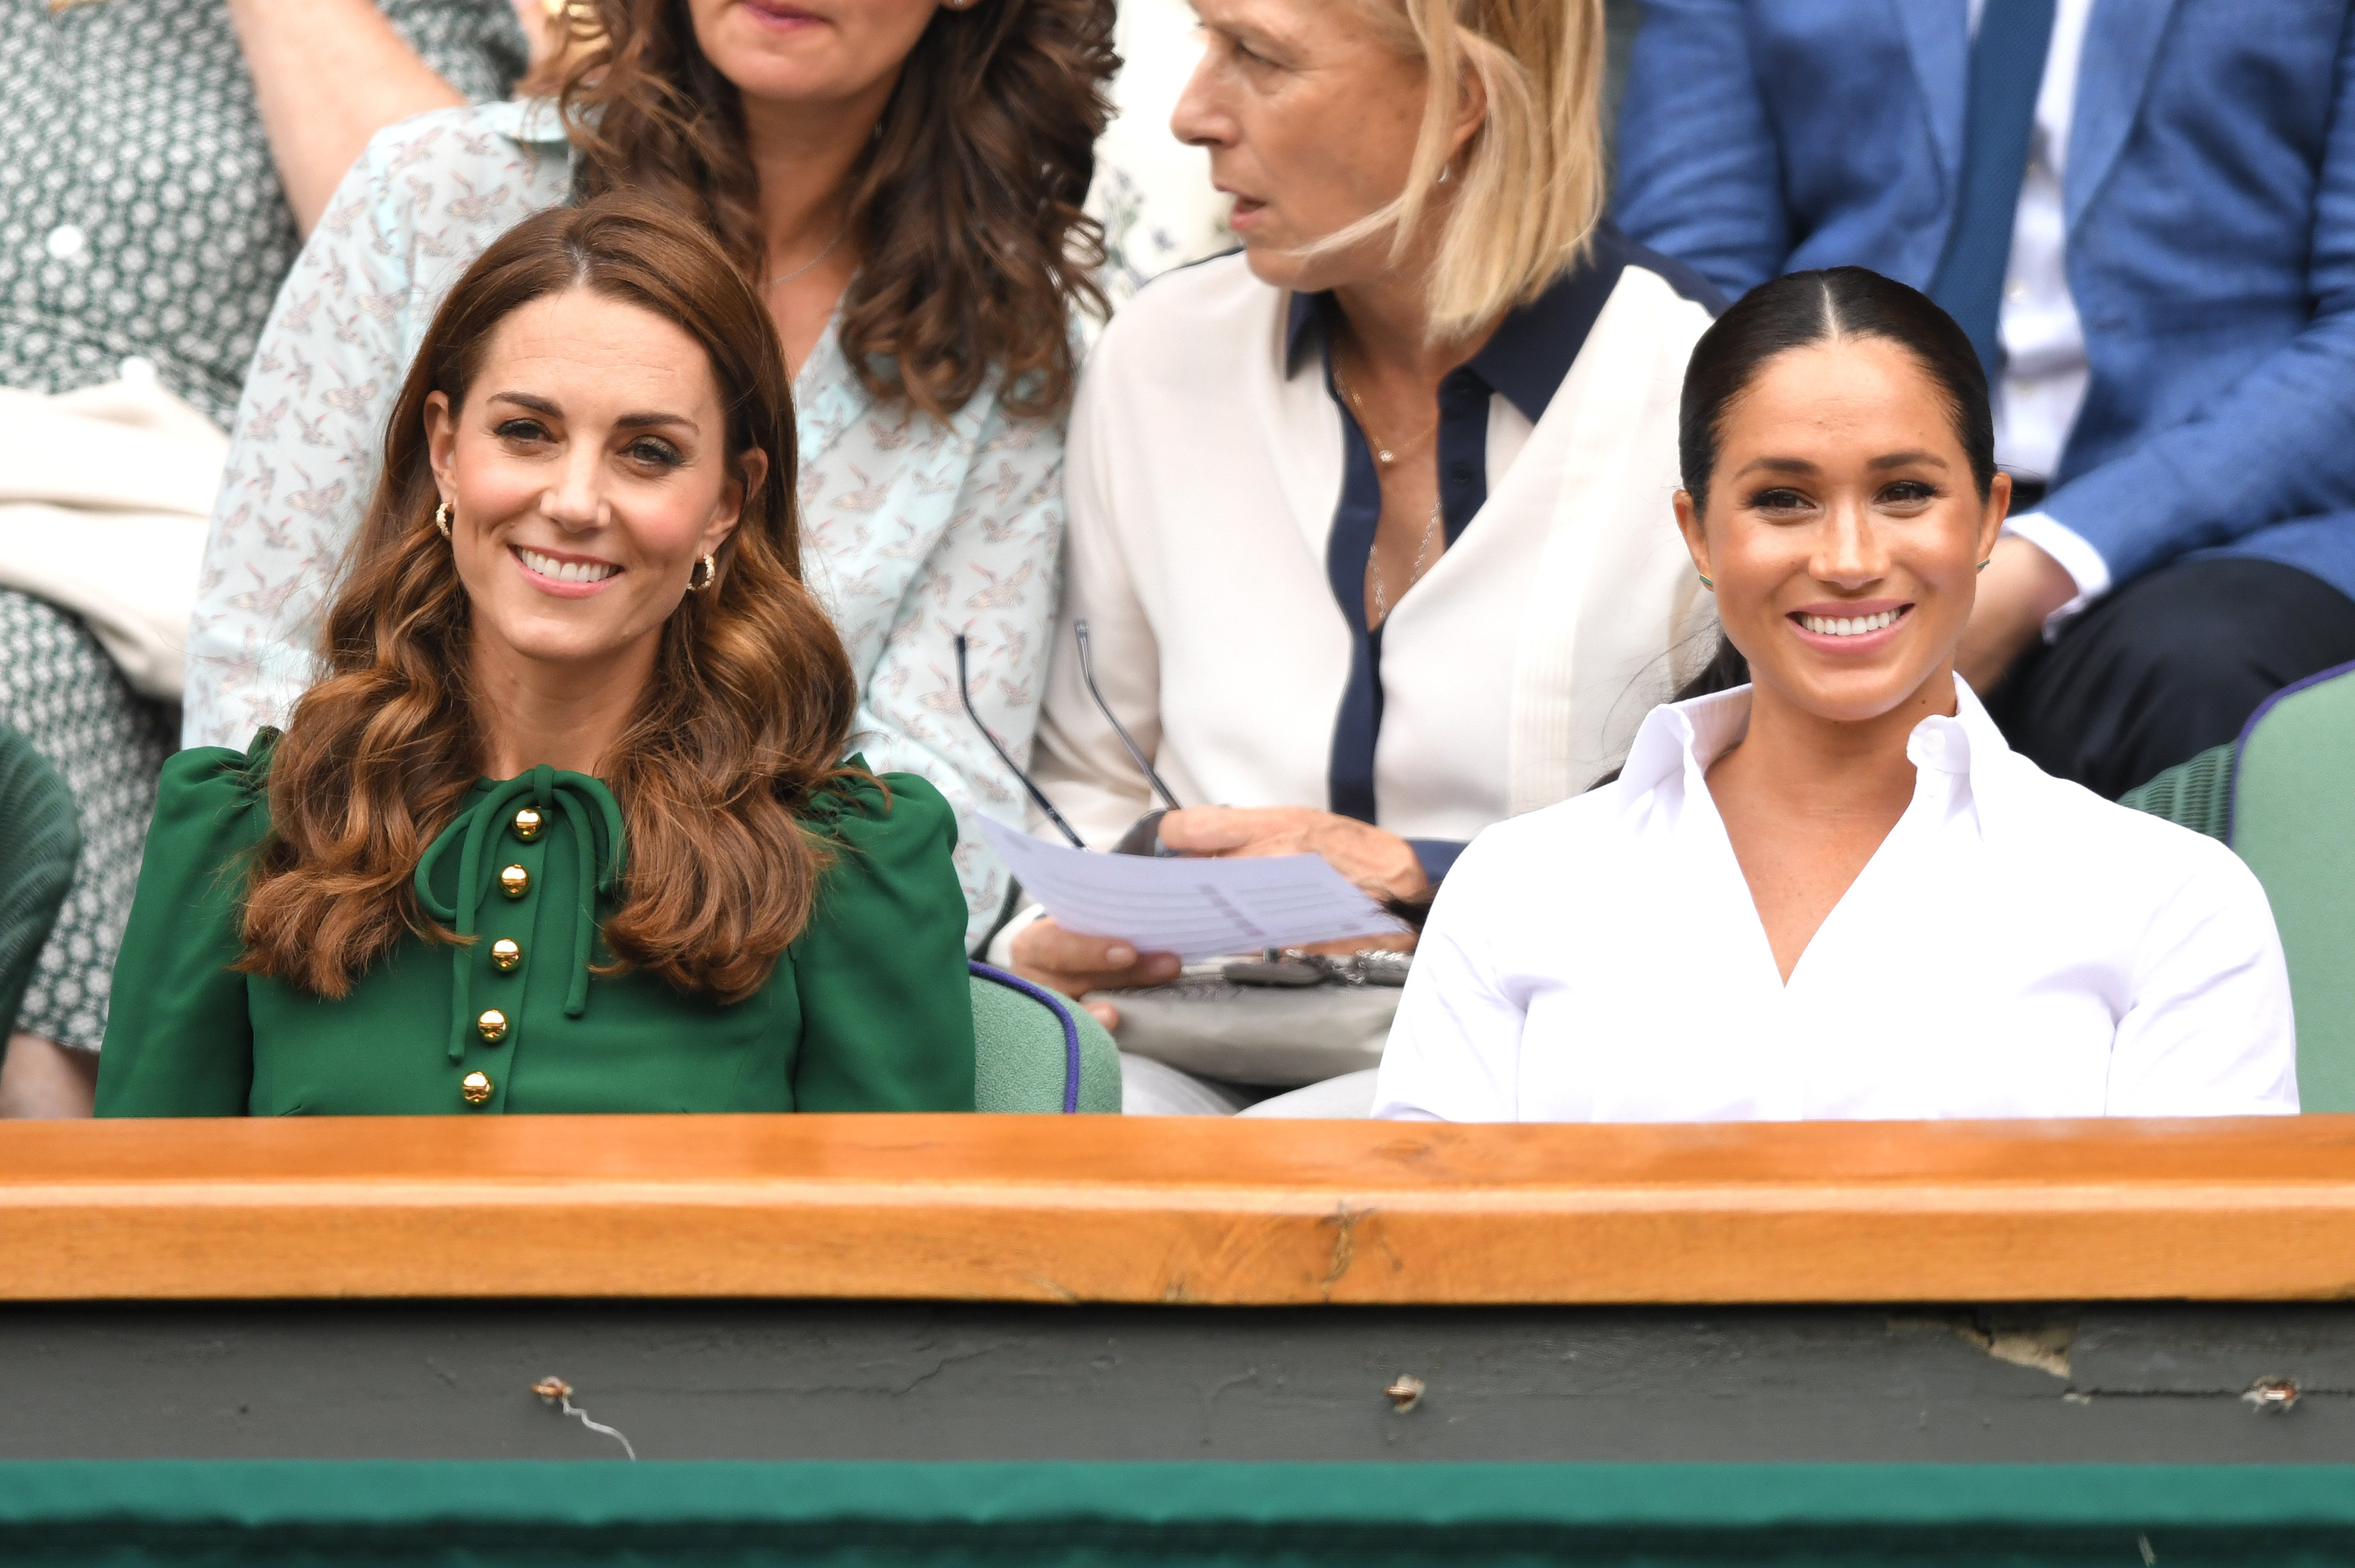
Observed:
{"x":1188,"y":1210}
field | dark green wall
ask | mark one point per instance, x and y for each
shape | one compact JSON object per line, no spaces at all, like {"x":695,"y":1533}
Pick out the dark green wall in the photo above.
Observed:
{"x":908,"y":1381}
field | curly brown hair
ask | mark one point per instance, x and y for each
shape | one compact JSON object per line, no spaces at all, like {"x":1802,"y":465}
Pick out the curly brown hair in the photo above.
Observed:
{"x":746,"y":716}
{"x":967,"y":209}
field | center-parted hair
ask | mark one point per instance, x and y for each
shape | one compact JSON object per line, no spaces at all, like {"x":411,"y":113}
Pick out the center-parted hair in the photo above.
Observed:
{"x":1799,"y":310}
{"x":967,"y":208}
{"x":746,"y":715}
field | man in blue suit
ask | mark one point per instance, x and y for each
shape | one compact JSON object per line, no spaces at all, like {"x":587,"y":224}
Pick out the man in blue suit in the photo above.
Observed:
{"x":2142,"y":212}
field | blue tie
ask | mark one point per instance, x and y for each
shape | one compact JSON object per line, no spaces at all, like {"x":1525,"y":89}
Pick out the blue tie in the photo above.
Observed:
{"x":2007,"y":70}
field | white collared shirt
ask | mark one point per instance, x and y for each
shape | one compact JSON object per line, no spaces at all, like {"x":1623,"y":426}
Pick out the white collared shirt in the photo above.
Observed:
{"x":2045,"y":370}
{"x":1206,"y":467}
{"x":2016,"y":946}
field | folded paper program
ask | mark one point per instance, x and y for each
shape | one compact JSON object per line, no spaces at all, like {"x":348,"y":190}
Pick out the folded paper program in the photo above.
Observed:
{"x":105,"y":500}
{"x":1196,"y":908}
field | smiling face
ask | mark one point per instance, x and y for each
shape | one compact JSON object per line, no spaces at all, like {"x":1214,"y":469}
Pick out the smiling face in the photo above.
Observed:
{"x":586,"y":473}
{"x":1843,"y":527}
{"x":1310,"y":117}
{"x":839,"y":54}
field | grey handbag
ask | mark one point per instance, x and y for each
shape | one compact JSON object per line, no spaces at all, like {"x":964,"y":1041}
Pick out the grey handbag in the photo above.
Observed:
{"x":1253,"y":1023}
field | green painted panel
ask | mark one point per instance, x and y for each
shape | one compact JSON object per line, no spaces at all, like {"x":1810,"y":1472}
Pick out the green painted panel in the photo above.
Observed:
{"x":284,"y":1514}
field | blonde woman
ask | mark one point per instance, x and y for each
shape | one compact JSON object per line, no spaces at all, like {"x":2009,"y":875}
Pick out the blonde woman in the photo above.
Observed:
{"x":1370,"y":522}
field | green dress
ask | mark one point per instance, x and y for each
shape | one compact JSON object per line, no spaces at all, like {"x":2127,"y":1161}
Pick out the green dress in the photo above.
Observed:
{"x":868,"y":1010}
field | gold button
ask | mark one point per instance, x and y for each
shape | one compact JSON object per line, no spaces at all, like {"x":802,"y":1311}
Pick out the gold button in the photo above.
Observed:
{"x":475,"y":1086}
{"x":506,"y":954}
{"x":528,"y":823}
{"x":492,"y":1026}
{"x":514,"y":882}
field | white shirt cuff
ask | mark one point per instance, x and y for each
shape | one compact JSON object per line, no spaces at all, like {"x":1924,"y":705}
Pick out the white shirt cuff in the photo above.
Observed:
{"x":1001,"y":946}
{"x":2080,"y":560}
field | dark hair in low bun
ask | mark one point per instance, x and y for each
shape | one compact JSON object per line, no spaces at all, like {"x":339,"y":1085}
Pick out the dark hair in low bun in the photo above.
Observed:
{"x":1801,"y":309}
{"x":1796,"y":310}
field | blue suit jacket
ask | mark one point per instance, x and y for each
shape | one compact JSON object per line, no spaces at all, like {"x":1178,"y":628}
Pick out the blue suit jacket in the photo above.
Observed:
{"x":2211,"y":202}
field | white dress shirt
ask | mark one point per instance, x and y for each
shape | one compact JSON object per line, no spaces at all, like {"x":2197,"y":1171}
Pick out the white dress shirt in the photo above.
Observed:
{"x":2045,"y":371}
{"x":2016,"y":946}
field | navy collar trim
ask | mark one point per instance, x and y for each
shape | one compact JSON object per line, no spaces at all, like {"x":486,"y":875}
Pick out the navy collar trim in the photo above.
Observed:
{"x":1530,"y":352}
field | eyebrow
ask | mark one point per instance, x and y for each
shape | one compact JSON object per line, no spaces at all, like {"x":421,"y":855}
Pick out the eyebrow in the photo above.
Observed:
{"x":1801,"y":465}
{"x":1777,"y":465}
{"x":1253,"y":29}
{"x":647,"y":421}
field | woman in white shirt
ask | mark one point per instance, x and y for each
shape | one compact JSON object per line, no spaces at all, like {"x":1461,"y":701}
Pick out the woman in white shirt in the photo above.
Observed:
{"x":1837,"y":893}
{"x":1362,"y":520}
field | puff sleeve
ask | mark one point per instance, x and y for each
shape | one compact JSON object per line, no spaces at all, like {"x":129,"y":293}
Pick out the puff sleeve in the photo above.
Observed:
{"x":179,"y":1041}
{"x":886,"y":1012}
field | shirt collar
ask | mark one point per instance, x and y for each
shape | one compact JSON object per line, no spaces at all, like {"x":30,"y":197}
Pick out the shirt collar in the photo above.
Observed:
{"x":1530,"y":352}
{"x":1685,"y":738}
{"x":1969,"y":745}
{"x":1678,"y":735}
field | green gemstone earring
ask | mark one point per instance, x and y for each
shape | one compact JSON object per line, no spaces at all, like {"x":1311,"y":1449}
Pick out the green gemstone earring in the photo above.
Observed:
{"x":1708,"y":582}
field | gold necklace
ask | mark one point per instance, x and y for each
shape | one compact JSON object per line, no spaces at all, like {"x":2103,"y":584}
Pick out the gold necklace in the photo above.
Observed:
{"x":1374,"y":565}
{"x":1387,"y":456}
{"x":814,"y":261}
{"x":1384,"y":454}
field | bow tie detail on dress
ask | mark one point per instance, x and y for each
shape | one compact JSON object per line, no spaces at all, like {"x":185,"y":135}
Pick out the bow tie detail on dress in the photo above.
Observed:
{"x":597,"y":840}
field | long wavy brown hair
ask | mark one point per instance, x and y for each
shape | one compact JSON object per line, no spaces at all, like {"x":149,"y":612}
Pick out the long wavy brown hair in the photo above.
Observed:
{"x":746,"y":715}
{"x":966,"y":209}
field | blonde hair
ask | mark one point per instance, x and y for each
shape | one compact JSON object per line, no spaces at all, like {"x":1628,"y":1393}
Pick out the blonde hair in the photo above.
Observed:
{"x":1531,"y":183}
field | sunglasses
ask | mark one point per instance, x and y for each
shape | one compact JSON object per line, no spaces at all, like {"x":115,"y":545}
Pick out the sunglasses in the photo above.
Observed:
{"x":1144,"y":836}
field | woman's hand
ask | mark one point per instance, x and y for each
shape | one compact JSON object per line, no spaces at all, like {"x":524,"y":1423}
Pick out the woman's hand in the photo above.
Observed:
{"x":1065,"y":961}
{"x":1383,"y":864}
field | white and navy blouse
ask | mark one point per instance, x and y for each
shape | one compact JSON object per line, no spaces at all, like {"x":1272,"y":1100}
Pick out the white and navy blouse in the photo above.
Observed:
{"x":1222,"y":508}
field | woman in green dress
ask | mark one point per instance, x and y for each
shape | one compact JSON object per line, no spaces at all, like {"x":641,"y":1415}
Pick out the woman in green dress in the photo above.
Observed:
{"x":566,"y":826}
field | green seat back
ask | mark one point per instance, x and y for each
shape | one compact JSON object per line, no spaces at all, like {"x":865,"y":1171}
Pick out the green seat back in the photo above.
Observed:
{"x":1022,"y":1051}
{"x":2293,"y":822}
{"x":40,"y":841}
{"x":2196,"y":794}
